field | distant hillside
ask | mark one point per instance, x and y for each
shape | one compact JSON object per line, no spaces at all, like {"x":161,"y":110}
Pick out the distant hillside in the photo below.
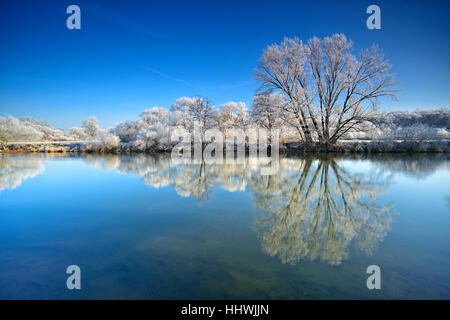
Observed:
{"x":439,"y":118}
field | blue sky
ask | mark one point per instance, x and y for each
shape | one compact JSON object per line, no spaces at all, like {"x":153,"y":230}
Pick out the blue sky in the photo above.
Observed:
{"x":133,"y":55}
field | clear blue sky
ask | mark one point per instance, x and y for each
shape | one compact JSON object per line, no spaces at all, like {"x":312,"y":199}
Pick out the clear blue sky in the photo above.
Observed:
{"x":132,"y":55}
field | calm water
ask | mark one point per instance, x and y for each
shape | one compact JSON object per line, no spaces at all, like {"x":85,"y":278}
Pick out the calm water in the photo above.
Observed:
{"x":145,"y":227}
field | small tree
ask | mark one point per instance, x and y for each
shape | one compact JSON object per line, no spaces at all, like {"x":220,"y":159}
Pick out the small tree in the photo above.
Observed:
{"x":156,"y":124}
{"x":267,"y":109}
{"x":181,"y":117}
{"x":202,"y":111}
{"x":91,"y":127}
{"x":232,"y":115}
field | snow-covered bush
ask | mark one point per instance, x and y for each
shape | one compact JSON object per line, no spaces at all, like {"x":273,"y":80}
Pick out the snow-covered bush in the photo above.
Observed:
{"x":77,"y":133}
{"x":104,"y":141}
{"x":152,"y":130}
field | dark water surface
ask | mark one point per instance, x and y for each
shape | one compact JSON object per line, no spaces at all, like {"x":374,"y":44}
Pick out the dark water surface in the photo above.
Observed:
{"x":144,"y":227}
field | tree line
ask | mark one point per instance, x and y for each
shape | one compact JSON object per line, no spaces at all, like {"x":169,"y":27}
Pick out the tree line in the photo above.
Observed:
{"x":319,"y":91}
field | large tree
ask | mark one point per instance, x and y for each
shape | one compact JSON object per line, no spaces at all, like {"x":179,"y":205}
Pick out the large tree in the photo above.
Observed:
{"x":330,"y":91}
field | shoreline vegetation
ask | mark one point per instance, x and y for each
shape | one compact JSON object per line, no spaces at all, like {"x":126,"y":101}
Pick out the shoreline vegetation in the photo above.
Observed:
{"x":419,"y":131}
{"x":314,"y":96}
{"x":373,"y":146}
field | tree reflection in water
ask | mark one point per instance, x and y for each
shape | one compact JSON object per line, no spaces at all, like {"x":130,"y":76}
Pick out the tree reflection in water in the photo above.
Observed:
{"x":319,"y":210}
{"x":311,"y":208}
{"x":14,"y":171}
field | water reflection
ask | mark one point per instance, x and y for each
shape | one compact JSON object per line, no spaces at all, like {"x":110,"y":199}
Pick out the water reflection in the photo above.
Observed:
{"x":317,"y":211}
{"x":188,"y":180}
{"x":418,"y":166}
{"x":312,"y":208}
{"x":13,"y":172}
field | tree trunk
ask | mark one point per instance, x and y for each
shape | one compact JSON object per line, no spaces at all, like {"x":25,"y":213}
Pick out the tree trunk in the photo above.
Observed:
{"x":308,"y":136}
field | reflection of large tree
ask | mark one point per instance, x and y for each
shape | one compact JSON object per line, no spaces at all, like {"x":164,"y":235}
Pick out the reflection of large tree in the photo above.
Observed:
{"x":319,"y":211}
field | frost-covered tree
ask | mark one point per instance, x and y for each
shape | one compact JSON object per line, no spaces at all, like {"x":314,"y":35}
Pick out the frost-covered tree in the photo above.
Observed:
{"x":77,"y":133}
{"x":156,"y":125}
{"x":91,"y":127}
{"x":232,"y":115}
{"x":180,"y":113}
{"x":267,"y":109}
{"x":417,"y":125}
{"x":13,"y":129}
{"x":152,"y":129}
{"x":127,"y":131}
{"x":329,"y":90}
{"x":203,"y":113}
{"x":49,"y":133}
{"x":439,"y":118}
{"x":242,"y":116}
{"x":27,"y":129}
{"x":155,"y":116}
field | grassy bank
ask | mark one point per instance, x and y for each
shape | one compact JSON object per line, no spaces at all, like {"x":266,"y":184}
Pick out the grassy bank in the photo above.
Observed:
{"x":350,"y":146}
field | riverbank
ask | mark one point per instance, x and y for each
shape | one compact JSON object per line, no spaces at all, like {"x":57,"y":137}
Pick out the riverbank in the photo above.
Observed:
{"x":349,"y":146}
{"x":44,"y":147}
{"x":371,"y":146}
